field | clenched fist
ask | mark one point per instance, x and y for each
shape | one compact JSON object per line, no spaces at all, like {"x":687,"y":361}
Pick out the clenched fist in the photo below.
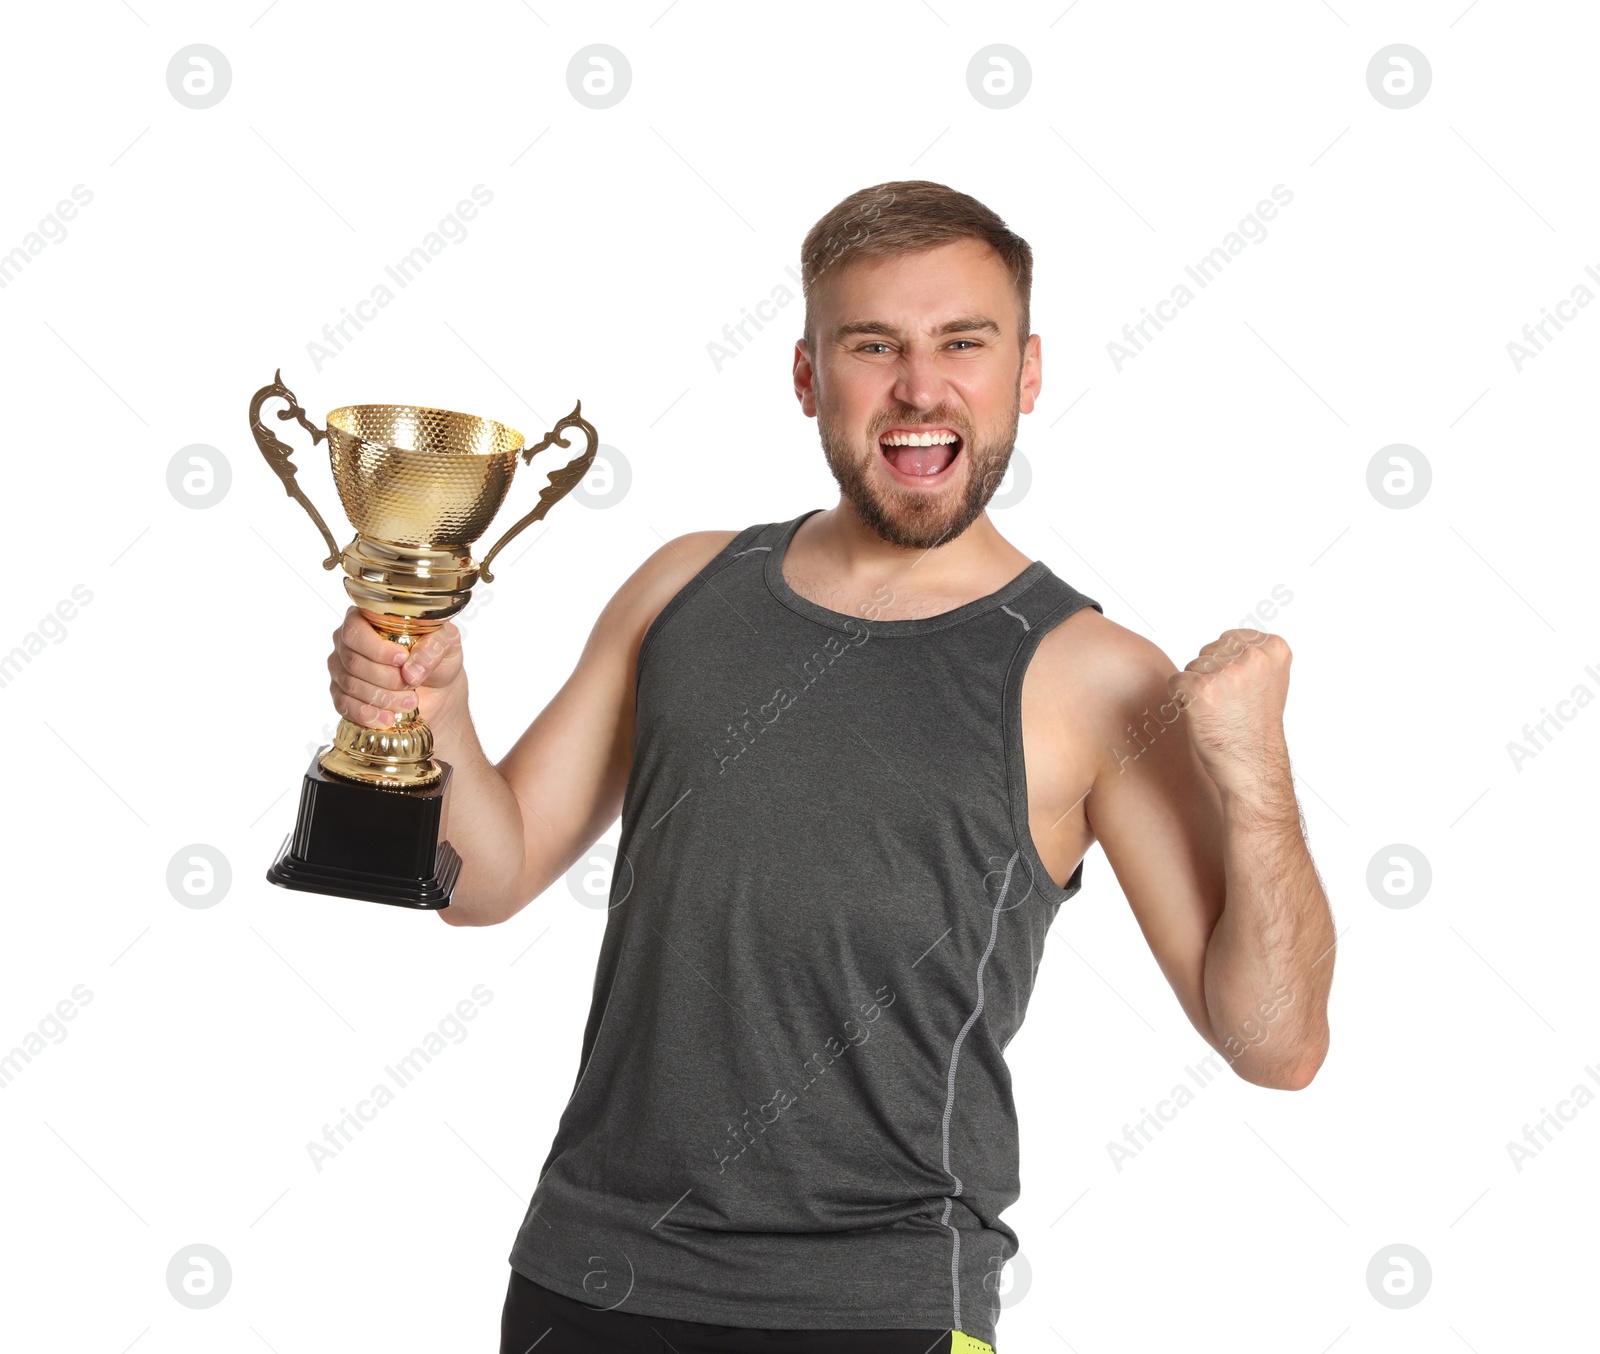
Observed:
{"x":1234,"y":692}
{"x":374,"y":678}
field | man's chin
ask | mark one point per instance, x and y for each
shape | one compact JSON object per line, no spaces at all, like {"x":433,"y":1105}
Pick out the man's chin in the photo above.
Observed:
{"x":910,"y":518}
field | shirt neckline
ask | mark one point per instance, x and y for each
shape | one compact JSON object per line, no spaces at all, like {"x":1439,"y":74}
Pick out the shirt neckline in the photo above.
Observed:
{"x":778,"y":586}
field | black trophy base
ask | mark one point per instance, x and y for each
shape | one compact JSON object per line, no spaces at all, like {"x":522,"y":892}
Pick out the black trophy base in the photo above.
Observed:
{"x":369,"y":843}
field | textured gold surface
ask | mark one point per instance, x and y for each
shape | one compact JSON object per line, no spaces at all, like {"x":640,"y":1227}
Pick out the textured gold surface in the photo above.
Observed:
{"x":427,"y":478}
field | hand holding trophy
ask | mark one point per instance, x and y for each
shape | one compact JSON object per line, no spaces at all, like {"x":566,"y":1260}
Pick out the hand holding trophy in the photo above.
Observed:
{"x":420,"y":486}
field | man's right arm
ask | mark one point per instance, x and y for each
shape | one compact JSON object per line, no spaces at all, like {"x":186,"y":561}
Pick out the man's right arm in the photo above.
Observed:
{"x":521,"y":822}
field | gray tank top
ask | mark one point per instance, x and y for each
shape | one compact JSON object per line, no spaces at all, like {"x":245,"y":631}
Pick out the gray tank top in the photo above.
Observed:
{"x":792,"y":1106}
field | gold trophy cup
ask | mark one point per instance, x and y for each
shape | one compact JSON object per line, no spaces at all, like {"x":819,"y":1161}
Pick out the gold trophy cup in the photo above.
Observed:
{"x":420,"y":486}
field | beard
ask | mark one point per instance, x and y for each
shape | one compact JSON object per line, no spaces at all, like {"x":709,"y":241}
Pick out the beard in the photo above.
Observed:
{"x":912,"y":518}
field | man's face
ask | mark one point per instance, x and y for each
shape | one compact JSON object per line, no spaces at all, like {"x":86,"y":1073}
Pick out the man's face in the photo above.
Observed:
{"x":913,"y":348}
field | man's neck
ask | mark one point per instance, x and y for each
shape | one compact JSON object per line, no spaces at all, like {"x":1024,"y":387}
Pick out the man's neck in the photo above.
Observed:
{"x":837,"y":550}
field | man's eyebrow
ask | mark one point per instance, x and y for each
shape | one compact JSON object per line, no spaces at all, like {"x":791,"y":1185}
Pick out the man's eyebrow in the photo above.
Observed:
{"x":965,"y":324}
{"x":969,"y":324}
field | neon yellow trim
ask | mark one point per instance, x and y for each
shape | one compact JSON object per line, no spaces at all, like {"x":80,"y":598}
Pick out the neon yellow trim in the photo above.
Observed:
{"x":962,"y":1343}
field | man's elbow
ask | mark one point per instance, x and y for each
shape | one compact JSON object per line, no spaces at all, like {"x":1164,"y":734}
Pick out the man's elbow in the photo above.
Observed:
{"x":471,"y":912}
{"x":1297,"y":1075}
{"x":475,"y":903}
{"x":1289,"y":1070}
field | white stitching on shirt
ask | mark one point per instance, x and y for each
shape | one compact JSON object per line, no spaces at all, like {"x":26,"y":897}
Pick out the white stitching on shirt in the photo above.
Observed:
{"x":950,"y":1093}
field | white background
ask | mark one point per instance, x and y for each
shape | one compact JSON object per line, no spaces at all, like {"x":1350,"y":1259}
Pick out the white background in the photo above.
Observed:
{"x":180,"y":705}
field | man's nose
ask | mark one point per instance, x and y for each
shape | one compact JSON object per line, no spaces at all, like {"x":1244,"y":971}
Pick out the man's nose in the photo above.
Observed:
{"x":917,"y":380}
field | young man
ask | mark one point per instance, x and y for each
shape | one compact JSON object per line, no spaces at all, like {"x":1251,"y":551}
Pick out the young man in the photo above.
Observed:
{"x":859,"y":756}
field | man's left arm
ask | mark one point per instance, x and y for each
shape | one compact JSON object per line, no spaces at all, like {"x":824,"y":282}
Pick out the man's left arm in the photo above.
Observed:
{"x":1198,"y":817}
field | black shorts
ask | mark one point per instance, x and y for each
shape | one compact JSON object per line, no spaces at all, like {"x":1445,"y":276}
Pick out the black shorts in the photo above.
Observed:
{"x":539,"y":1321}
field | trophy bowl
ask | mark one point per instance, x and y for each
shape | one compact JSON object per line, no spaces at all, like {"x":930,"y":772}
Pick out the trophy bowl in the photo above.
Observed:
{"x":428,"y":478}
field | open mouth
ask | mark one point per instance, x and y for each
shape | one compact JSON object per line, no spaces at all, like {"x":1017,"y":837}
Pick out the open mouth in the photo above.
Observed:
{"x":921,"y":454}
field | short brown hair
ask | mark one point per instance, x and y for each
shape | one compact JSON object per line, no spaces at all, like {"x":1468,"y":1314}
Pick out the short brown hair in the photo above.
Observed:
{"x":901,"y":218}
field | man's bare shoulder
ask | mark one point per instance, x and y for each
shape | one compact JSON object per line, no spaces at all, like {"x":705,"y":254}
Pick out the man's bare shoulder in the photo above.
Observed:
{"x":681,"y":558}
{"x":664,"y":573}
{"x":1098,"y":675}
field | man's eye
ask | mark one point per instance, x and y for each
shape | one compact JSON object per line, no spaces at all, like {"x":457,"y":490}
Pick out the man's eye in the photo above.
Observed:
{"x":971,"y":343}
{"x":874,"y":344}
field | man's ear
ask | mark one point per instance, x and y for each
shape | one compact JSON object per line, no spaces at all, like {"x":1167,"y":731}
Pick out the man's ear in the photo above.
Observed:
{"x":805,"y":380}
{"x":1031,"y":376}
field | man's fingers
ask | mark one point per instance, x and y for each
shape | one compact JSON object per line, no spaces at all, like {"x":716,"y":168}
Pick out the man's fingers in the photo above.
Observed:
{"x":357,"y":712}
{"x":426,"y":657}
{"x":356,"y":633}
{"x":370,"y":697}
{"x":364,"y":668}
{"x":1231,"y":643}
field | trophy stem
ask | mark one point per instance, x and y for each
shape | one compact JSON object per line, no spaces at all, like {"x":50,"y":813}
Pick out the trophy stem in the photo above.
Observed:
{"x":399,"y":757}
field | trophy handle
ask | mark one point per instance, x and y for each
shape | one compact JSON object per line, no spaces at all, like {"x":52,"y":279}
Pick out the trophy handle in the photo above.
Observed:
{"x":560,"y":483}
{"x":278,"y":453}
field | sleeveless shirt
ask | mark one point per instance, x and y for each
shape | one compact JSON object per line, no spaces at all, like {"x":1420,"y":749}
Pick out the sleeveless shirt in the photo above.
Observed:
{"x":827,"y":912}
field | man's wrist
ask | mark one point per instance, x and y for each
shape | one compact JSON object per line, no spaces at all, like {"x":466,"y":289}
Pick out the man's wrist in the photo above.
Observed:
{"x":1260,"y":799}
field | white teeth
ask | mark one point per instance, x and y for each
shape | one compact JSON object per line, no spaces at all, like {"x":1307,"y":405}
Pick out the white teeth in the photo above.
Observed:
{"x":938,"y":439}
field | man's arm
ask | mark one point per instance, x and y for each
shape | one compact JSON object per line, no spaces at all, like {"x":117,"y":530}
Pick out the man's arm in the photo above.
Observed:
{"x":521,"y":822}
{"x":1195,"y":808}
